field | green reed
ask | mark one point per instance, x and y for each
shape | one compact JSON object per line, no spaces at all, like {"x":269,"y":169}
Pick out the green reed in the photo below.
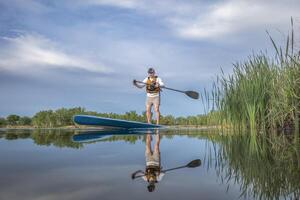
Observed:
{"x":262,"y":94}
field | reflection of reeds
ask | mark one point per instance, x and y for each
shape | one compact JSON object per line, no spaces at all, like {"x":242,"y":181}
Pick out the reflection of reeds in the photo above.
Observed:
{"x":268,"y":170}
{"x":262,"y":94}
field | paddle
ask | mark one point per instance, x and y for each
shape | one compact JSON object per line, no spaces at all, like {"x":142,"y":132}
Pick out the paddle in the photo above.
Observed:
{"x":192,"y":94}
{"x":192,"y":164}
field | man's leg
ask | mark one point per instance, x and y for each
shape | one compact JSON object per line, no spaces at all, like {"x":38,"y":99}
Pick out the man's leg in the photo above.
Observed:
{"x":157,"y":141}
{"x":148,"y":144}
{"x":148,"y":113}
{"x":157,"y":113}
{"x":156,"y":152}
{"x":156,"y":103}
{"x":148,"y":151}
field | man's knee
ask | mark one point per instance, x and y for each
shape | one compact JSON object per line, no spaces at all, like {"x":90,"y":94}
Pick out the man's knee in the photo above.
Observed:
{"x":148,"y":108}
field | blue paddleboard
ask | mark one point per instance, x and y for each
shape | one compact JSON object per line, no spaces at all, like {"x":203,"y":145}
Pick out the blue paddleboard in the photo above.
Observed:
{"x":108,"y":122}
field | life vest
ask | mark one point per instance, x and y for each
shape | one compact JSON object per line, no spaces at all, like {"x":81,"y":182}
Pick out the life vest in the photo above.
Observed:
{"x":150,"y":87}
{"x":153,"y":171}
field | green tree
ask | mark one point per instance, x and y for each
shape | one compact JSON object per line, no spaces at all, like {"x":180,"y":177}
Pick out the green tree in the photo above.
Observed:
{"x":2,"y":122}
{"x":181,"y":121}
{"x":25,"y":121}
{"x":13,"y":119}
{"x":168,"y":120}
{"x":192,"y":120}
{"x":57,"y":118}
{"x":132,"y":115}
{"x":63,"y":117}
{"x":45,"y":119}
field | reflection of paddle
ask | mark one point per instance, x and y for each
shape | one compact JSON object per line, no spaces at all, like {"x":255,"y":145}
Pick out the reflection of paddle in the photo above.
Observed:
{"x":192,"y":94}
{"x":192,"y":164}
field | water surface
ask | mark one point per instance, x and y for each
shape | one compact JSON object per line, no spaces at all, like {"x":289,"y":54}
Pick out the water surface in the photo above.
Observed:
{"x":67,"y":164}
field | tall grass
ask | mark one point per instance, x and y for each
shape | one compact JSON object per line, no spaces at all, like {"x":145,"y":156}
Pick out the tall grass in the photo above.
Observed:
{"x":263,"y":93}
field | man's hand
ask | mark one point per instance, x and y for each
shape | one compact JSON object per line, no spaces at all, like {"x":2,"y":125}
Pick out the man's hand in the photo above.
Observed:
{"x":134,"y":82}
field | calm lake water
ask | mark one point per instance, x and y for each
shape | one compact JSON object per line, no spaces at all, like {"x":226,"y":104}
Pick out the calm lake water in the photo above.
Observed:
{"x":56,"y":164}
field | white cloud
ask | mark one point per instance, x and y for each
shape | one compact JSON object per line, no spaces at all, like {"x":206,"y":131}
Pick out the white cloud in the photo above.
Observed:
{"x":213,"y":20}
{"x":233,"y":17}
{"x":118,"y":3}
{"x":31,"y":6}
{"x":31,"y":51}
{"x":155,"y":7}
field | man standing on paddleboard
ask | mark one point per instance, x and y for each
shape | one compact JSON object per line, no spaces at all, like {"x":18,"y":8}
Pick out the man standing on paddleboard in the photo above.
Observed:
{"x":153,"y":85}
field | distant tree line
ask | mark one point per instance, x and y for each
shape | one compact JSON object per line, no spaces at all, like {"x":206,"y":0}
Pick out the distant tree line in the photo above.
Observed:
{"x":63,"y":117}
{"x":15,"y":120}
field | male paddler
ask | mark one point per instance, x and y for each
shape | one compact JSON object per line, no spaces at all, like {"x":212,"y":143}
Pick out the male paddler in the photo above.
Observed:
{"x":153,"y":84}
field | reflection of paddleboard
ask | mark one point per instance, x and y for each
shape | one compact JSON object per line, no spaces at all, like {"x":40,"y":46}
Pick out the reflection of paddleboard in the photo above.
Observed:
{"x":89,"y":137}
{"x":93,"y":136}
{"x":108,"y":122}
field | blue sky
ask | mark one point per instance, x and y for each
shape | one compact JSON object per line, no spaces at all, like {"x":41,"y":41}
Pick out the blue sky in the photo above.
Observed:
{"x":86,"y":53}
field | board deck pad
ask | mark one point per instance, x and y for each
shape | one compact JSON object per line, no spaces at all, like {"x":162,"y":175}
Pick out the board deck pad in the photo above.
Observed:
{"x":89,"y":120}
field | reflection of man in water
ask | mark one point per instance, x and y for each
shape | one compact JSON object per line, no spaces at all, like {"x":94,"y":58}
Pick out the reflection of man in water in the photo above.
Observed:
{"x":153,"y":173}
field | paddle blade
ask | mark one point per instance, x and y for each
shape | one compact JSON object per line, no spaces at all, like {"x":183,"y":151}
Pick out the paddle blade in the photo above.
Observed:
{"x":194,"y":163}
{"x":192,"y":94}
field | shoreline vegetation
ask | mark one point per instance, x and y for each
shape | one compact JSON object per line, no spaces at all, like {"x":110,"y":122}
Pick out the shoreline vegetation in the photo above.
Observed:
{"x":79,"y":127}
{"x":62,"y":118}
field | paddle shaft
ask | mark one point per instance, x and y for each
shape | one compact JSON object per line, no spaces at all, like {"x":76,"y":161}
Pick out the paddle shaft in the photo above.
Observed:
{"x":164,"y":170}
{"x":184,"y":166}
{"x":163,"y":87}
{"x":174,"y":168}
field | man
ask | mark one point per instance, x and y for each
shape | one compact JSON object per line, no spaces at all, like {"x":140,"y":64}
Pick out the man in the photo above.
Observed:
{"x":153,"y":84}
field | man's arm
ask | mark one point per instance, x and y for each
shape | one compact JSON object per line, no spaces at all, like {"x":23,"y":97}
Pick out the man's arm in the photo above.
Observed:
{"x":160,"y":83}
{"x":160,"y":176}
{"x":137,"y":174}
{"x":137,"y":85}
